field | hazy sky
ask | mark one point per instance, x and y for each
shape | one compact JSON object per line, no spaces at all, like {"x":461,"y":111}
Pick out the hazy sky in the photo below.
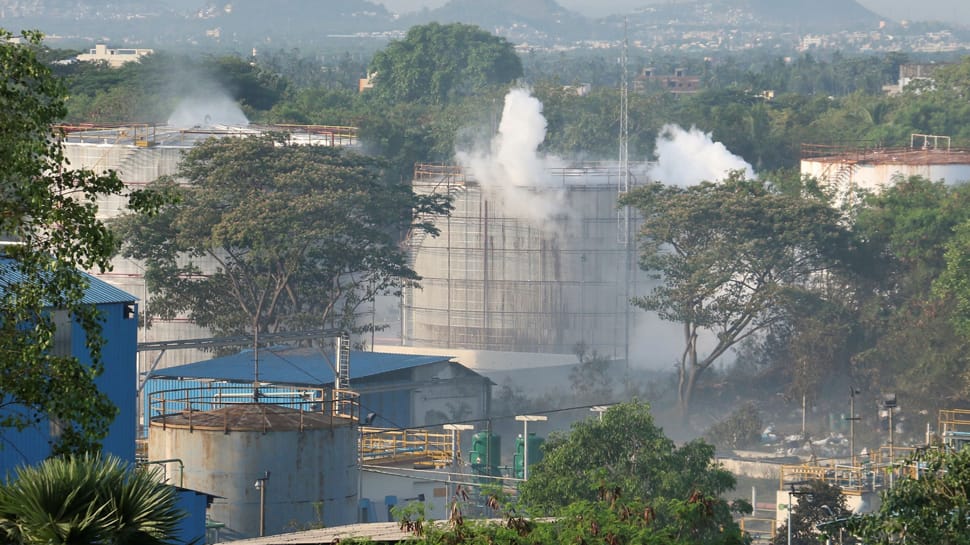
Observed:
{"x":939,"y":10}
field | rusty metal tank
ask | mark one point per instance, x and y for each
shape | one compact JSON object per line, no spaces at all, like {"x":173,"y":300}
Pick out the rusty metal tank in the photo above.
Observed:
{"x":295,"y":447}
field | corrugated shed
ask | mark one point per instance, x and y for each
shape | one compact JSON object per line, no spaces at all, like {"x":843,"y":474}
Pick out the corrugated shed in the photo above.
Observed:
{"x":119,"y":328}
{"x":99,"y":292}
{"x":293,"y":366}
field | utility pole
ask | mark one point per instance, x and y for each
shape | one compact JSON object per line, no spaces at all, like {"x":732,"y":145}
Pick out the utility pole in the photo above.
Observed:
{"x":852,"y":418}
{"x":261,"y":486}
{"x":889,"y":403}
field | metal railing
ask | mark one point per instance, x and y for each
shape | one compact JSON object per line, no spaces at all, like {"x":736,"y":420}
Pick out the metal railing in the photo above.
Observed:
{"x":760,"y":529}
{"x":420,"y":446}
{"x":188,"y":403}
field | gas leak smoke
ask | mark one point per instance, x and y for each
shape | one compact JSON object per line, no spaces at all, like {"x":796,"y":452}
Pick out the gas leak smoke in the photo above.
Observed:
{"x":207,"y":111}
{"x":510,"y":169}
{"x":689,"y":157}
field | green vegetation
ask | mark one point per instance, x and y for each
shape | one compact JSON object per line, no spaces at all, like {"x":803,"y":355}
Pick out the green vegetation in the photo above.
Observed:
{"x":817,"y":508}
{"x":930,"y":509}
{"x":84,"y":500}
{"x":625,"y":453}
{"x":732,"y":258}
{"x":437,"y":63}
{"x":240,"y":204}
{"x":615,"y":481}
{"x":43,"y":209}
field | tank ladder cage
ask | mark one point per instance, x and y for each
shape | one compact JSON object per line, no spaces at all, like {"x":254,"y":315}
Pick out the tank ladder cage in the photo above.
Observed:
{"x":189,"y":403}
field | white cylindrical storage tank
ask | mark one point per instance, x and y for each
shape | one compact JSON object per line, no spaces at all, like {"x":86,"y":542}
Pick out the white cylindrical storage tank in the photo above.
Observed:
{"x":139,"y":155}
{"x":311,"y":459}
{"x":874,"y":169}
{"x":496,"y":279}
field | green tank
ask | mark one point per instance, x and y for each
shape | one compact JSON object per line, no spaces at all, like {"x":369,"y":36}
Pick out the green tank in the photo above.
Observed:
{"x":535,"y":453}
{"x":485,"y":453}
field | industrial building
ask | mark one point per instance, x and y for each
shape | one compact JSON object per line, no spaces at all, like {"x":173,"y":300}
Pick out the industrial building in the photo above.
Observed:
{"x":119,"y":323}
{"x":119,"y":329}
{"x":872,"y":168}
{"x":115,"y":58}
{"x":298,"y":430}
{"x":403,"y":391}
{"x":496,"y":280}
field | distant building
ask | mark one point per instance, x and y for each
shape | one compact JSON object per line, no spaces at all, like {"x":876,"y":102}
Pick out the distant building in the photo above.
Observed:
{"x":365,"y":83}
{"x":909,"y":73}
{"x":678,"y":83}
{"x":114,"y":57}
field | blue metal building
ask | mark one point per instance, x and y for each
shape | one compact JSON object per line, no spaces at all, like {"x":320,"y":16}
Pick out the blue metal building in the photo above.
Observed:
{"x":119,"y":328}
{"x":402,"y":390}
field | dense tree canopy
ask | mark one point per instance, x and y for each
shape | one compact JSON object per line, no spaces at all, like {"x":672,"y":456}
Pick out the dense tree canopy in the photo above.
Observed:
{"x":436,"y":63}
{"x":907,"y":229}
{"x":46,"y":210}
{"x":296,"y":236}
{"x":730,"y":257}
{"x":626,"y":450}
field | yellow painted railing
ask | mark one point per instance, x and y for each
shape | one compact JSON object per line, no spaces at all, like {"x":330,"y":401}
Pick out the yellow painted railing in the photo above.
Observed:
{"x":419,"y":446}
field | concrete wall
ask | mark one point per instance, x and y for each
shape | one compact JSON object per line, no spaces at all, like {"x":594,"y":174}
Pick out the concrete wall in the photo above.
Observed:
{"x":401,"y":484}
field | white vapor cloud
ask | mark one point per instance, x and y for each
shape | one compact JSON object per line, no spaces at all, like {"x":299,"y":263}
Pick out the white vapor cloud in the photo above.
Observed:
{"x":511,"y":167}
{"x":689,"y":157}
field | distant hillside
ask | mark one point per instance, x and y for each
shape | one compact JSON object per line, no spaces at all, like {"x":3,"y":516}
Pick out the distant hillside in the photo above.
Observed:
{"x":241,"y":22}
{"x":517,"y":20}
{"x":829,"y":14}
{"x":820,"y":15}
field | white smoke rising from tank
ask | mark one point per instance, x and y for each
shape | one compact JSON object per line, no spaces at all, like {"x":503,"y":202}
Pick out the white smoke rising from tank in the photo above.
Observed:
{"x":511,"y":168}
{"x":689,"y":157}
{"x":207,"y":111}
{"x":684,"y":158}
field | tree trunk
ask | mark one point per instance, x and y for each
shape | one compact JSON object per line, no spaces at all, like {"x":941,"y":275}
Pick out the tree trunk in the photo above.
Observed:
{"x":687,"y":374}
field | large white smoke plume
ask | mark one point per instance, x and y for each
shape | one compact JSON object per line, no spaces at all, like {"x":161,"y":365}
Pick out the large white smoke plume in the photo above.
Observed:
{"x":689,"y":157}
{"x":510,"y":166}
{"x":207,"y":111}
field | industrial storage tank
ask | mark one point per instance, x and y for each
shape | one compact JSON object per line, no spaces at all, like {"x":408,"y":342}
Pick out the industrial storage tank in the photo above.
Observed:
{"x":852,"y":168}
{"x":140,"y":154}
{"x":287,"y":460}
{"x":495,"y":279}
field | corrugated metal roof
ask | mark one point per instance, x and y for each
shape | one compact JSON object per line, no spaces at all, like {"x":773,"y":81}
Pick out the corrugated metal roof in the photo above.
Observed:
{"x":99,"y":292}
{"x":296,"y":366}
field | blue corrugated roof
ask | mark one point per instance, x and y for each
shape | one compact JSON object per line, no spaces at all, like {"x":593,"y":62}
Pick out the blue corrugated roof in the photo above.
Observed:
{"x":297,"y":366}
{"x":99,"y":292}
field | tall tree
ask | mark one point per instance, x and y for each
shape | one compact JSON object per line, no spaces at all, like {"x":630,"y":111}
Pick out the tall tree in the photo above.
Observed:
{"x":913,"y":228}
{"x":295,"y":236}
{"x":48,"y":216}
{"x":729,"y":256}
{"x":435,"y":63}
